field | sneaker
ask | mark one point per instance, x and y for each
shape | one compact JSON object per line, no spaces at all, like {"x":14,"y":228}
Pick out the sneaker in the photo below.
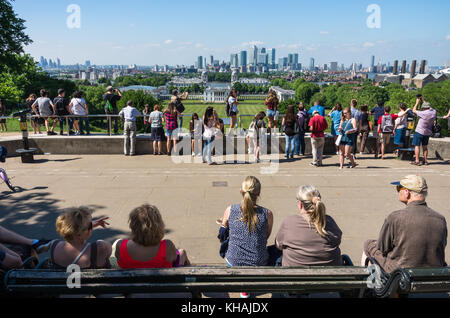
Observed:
{"x":77,"y":133}
{"x":61,"y":133}
{"x":42,"y":246}
{"x":71,"y":133}
{"x":313,"y":164}
{"x":244,"y":295}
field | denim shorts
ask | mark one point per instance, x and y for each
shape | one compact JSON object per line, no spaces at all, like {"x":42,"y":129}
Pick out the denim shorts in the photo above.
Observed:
{"x":270,"y":113}
{"x":171,"y":132}
{"x":420,"y":140}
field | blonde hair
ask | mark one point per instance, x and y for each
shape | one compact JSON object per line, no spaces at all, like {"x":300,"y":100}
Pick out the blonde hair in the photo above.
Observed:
{"x":251,"y":189}
{"x":73,"y":222}
{"x":146,"y":224}
{"x":310,"y":197}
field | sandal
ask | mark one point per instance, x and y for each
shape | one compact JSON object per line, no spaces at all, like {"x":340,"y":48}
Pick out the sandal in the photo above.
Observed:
{"x":415,"y":163}
{"x":426,"y":163}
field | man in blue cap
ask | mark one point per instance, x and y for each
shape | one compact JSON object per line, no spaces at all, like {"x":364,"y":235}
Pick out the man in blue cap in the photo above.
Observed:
{"x":413,"y":237}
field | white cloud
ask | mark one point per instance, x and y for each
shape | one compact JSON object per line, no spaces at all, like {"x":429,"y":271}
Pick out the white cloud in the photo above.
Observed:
{"x":368,"y":44}
{"x":252,"y":43}
{"x":199,"y":45}
{"x":293,"y":46}
{"x":448,"y":38}
{"x":168,"y":41}
{"x":324,"y":32}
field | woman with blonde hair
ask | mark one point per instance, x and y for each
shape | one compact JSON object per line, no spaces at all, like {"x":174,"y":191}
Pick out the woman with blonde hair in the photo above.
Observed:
{"x":310,"y":237}
{"x":75,"y":227}
{"x":249,"y":227}
{"x":146,"y":247}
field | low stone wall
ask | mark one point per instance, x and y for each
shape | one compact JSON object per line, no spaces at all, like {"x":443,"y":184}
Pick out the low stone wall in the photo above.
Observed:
{"x":86,"y":145}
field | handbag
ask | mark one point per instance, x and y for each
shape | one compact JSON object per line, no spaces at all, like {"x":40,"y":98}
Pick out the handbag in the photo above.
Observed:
{"x":338,"y":140}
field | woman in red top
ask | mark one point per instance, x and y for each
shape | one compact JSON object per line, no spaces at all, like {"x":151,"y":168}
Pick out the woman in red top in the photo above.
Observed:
{"x":272,"y":108}
{"x":145,"y":248}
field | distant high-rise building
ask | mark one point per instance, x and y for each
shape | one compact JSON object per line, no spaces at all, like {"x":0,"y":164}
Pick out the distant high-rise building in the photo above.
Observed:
{"x":413,"y":68}
{"x":87,"y":63}
{"x":333,"y":67}
{"x":272,"y":57}
{"x":311,"y":64}
{"x":211,"y":60}
{"x":200,"y":62}
{"x":395,"y":69}
{"x":254,"y":60}
{"x":234,"y":60}
{"x":243,"y":58}
{"x":372,"y":61}
{"x":403,"y":70}
{"x":422,"y":67}
{"x":325,"y":67}
{"x":59,"y":62}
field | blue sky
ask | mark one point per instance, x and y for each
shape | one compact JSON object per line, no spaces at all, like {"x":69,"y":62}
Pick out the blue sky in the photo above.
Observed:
{"x":176,"y":32}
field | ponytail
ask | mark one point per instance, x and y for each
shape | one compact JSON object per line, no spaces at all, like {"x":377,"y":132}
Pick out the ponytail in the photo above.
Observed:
{"x":251,"y":189}
{"x":312,"y":203}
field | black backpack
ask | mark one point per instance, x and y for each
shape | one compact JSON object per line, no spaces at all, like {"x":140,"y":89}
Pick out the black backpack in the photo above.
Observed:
{"x":60,"y":106}
{"x":437,"y":131}
{"x":228,"y":109}
{"x":179,"y":106}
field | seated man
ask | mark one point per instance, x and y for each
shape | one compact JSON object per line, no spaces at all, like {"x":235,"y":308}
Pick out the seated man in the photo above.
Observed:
{"x":9,"y":258}
{"x":413,"y":237}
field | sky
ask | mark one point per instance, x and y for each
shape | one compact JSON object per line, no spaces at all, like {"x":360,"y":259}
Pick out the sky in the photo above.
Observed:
{"x":148,"y":32}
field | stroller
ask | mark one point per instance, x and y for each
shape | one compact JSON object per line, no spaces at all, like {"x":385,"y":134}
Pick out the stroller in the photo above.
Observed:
{"x":3,"y":175}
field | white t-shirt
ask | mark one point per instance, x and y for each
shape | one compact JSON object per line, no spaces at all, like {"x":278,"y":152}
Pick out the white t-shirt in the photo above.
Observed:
{"x":78,"y":106}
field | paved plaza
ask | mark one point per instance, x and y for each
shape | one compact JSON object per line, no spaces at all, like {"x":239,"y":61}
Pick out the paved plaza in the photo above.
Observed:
{"x":192,"y":196}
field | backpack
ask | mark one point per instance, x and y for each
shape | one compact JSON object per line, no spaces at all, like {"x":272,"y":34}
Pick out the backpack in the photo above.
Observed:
{"x":437,"y":131}
{"x":60,"y":106}
{"x":387,"y":124}
{"x":179,"y":106}
{"x":108,"y":107}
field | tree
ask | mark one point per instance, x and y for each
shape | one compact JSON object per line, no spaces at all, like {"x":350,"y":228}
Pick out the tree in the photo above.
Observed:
{"x":12,"y":36}
{"x":306,"y":91}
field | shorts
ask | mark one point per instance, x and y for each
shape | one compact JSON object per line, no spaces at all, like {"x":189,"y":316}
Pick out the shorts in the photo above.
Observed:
{"x":157,"y":133}
{"x":349,"y":141}
{"x":270,"y":113}
{"x":334,"y":131}
{"x":385,"y":138}
{"x":420,"y":140}
{"x":172,"y":132}
{"x":232,"y":114}
{"x":399,"y":138}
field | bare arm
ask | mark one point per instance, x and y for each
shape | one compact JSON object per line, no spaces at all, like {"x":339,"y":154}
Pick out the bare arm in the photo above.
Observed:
{"x":226,"y":217}
{"x":416,"y":105}
{"x":270,"y":223}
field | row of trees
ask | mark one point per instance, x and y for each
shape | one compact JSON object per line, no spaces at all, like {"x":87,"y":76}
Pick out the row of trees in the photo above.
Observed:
{"x":244,"y":88}
{"x":150,"y":79}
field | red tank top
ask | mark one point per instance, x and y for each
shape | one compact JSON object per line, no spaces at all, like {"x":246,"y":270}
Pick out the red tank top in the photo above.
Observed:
{"x":159,"y":261}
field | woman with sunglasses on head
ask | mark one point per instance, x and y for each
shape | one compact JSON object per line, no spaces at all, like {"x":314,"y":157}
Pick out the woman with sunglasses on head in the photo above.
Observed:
{"x":348,"y":130}
{"x":75,"y":227}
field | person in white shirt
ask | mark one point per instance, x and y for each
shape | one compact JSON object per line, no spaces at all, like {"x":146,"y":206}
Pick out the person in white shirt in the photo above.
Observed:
{"x":128,"y":115}
{"x":400,"y":127}
{"x":78,"y":107}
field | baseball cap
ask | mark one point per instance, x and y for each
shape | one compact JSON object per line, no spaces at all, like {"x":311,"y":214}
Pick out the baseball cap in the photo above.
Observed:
{"x":316,"y":112}
{"x":413,"y":182}
{"x":109,"y":88}
{"x":426,"y":105}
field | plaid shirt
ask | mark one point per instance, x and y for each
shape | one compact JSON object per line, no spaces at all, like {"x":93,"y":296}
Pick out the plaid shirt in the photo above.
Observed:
{"x":171,"y":121}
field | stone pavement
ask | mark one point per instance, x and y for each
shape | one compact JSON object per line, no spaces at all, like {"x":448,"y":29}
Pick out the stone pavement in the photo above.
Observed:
{"x":358,"y":199}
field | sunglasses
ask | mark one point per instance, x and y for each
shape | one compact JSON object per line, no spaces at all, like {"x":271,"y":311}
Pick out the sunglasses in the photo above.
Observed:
{"x":400,"y":188}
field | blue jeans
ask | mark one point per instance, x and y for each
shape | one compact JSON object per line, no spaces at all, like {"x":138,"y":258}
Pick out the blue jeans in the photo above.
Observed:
{"x":62,"y":120}
{"x":300,"y":143}
{"x":83,"y":122}
{"x":207,"y":149}
{"x":180,"y":122}
{"x":290,"y":140}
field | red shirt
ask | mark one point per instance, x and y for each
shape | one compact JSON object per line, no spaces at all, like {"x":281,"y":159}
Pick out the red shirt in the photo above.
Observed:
{"x":394,"y":117}
{"x":318,"y":125}
{"x":159,"y":261}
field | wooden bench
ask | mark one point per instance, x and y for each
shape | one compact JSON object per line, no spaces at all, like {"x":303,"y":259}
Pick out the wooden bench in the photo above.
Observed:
{"x":350,"y":281}
{"x":347,"y":281}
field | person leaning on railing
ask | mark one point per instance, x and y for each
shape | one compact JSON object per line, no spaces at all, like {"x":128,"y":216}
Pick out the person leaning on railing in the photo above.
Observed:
{"x":111,"y":100}
{"x":46,"y":111}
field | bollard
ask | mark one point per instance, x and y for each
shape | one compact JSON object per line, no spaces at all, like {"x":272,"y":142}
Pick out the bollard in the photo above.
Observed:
{"x":27,"y":153}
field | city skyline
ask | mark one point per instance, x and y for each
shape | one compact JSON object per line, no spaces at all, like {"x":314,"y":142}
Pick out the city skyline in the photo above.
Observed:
{"x":305,"y":29}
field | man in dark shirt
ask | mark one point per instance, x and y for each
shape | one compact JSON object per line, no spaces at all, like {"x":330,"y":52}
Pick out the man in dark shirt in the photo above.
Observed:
{"x":61,"y":103}
{"x":112,"y":98}
{"x":413,"y":237}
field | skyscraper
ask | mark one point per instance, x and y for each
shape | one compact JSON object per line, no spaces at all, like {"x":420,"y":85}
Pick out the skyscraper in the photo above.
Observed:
{"x":211,"y":60}
{"x":311,"y":64}
{"x":243,"y":58}
{"x":255,"y":55}
{"x":200,"y":62}
{"x":333,"y":67}
{"x":372,"y":63}
{"x":59,"y":62}
{"x":272,"y":57}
